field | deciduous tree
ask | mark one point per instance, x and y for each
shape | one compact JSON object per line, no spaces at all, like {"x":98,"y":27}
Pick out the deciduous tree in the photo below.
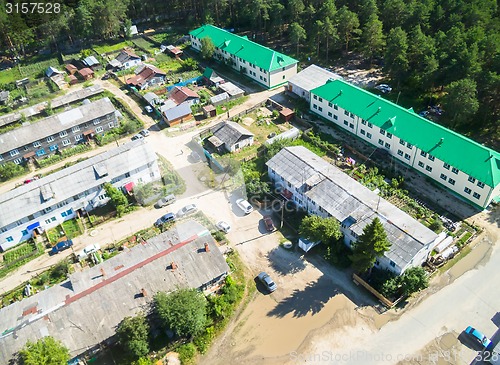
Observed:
{"x":133,"y":333}
{"x":207,"y":48}
{"x":317,"y":228}
{"x":461,"y":101}
{"x":46,"y":351}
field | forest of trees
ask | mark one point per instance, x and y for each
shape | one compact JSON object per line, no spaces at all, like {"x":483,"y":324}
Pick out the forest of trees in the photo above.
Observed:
{"x":426,"y":46}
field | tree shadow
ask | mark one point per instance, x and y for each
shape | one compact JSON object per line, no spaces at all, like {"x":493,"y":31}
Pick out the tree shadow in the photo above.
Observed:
{"x":308,"y":301}
{"x":285,"y":262}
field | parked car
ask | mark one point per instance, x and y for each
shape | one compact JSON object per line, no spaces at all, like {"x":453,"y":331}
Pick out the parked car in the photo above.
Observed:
{"x":423,"y":113}
{"x":166,"y":200}
{"x":105,"y":76}
{"x":384,"y":88}
{"x":144,"y":133}
{"x":148,"y":109}
{"x":223,"y":226}
{"x":244,"y":206}
{"x":266,"y":280}
{"x":169,"y":217}
{"x":187,"y":210}
{"x":61,"y":246}
{"x":90,"y":249}
{"x":268,"y":222}
{"x":478,"y":337}
{"x":137,"y":136}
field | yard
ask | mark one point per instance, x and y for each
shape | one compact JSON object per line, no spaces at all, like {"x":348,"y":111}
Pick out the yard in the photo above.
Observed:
{"x":10,"y":75}
{"x":36,"y":67}
{"x":68,"y":229}
{"x":109,"y":47}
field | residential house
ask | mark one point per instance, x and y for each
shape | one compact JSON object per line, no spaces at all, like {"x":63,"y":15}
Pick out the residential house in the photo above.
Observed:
{"x":182,"y":94}
{"x":86,"y":73}
{"x":308,"y":79}
{"x":58,"y":131}
{"x":84,"y":311}
{"x":211,"y":78}
{"x":125,"y":60}
{"x":230,"y":136}
{"x":261,"y":64}
{"x":91,"y":62}
{"x":232,"y":90}
{"x":174,"y":51}
{"x":4,"y":97}
{"x":178,"y":114}
{"x":468,"y":169}
{"x":322,"y":189}
{"x":57,"y":197}
{"x":147,"y":76}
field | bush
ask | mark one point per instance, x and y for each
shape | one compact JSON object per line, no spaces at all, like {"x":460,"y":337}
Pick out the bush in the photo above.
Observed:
{"x":203,"y":341}
{"x":186,"y":353}
{"x":219,"y":236}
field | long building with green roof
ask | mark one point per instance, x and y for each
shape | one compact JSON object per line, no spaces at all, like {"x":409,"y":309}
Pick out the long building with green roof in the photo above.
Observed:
{"x":463,"y":166}
{"x":262,"y":64}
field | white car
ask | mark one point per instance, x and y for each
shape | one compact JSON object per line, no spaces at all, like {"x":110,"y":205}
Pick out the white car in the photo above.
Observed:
{"x":90,"y":249}
{"x":148,"y":109}
{"x":384,"y":88}
{"x":223,"y":226}
{"x":244,"y":206}
{"x":187,"y":210}
{"x":144,"y":133}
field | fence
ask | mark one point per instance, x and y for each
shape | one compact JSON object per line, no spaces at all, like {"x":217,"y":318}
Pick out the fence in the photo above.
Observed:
{"x":249,"y":110}
{"x":380,"y":297}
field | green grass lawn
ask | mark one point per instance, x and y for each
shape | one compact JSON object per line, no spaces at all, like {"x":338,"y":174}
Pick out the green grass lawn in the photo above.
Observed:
{"x":107,"y":47}
{"x":35,"y":69}
{"x":142,"y":43}
{"x":8,"y":76}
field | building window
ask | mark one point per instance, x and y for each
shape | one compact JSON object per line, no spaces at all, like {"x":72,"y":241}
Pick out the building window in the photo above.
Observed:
{"x":480,"y":184}
{"x":407,"y":156}
{"x":400,"y":153}
{"x":315,"y":106}
{"x":66,"y":142}
{"x":444,"y":177}
{"x":471,"y":179}
{"x":369,"y":135}
{"x":362,"y":131}
{"x":467,"y":190}
{"x":40,"y":152}
{"x":330,"y":105}
{"x":422,"y":153}
{"x":346,"y":122}
{"x":78,"y":137}
{"x":24,"y":232}
{"x":380,"y":142}
{"x":370,"y":125}
{"x":14,"y":153}
{"x":47,"y":221}
{"x":392,"y":263}
{"x":420,"y":164}
{"x":428,"y":168}
{"x":50,"y":139}
{"x":431,"y":158}
{"x":382,"y":132}
{"x":351,"y":125}
{"x":336,"y":107}
{"x":451,"y":181}
{"x":320,"y":99}
{"x":387,"y":145}
{"x":389,"y":135}
{"x":9,"y":239}
{"x":53,"y":148}
{"x":63,"y":134}
{"x":75,"y":129}
{"x":454,"y":170}
{"x":446,"y":166}
{"x":476,"y":195}
{"x":320,"y":109}
{"x":409,"y":145}
{"x":402,"y":142}
{"x":97,"y":121}
{"x":335,"y":117}
{"x":18,"y":161}
{"x":99,"y":129}
{"x":283,"y":77}
{"x":26,"y":148}
{"x":363,"y":121}
{"x":315,"y":97}
{"x":346,"y":112}
{"x":329,"y":114}
{"x":36,"y":144}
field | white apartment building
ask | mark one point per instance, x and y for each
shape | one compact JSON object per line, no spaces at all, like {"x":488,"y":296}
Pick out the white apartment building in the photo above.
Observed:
{"x":51,"y":200}
{"x":261,"y":64}
{"x":322,"y":189}
{"x":470,"y":170}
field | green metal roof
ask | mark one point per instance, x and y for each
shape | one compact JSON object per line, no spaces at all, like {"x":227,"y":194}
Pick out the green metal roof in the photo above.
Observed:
{"x":461,"y":152}
{"x":208,"y":72}
{"x":244,"y":48}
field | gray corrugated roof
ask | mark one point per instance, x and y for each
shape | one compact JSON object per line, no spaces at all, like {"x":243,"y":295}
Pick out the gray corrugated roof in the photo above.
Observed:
{"x":312,"y":77}
{"x":231,"y":88}
{"x":90,"y":61}
{"x":178,"y":111}
{"x":343,"y":197}
{"x":230,"y":132}
{"x":54,"y":124}
{"x":86,"y":309}
{"x":150,"y":97}
{"x":219,"y":98}
{"x":72,"y":181}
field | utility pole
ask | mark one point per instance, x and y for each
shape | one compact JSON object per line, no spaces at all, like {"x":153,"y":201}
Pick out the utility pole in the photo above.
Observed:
{"x":282,"y":213}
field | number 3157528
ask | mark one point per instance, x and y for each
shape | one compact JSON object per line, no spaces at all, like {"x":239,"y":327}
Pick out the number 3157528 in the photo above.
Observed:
{"x":31,"y":8}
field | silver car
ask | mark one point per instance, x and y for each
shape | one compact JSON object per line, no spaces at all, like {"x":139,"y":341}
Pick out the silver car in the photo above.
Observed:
{"x":266,"y":280}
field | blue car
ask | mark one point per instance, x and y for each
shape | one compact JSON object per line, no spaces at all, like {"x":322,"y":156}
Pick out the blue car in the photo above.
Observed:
{"x":478,"y":337}
{"x":61,"y":246}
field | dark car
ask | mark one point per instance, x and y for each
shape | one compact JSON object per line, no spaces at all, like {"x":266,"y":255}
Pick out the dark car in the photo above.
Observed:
{"x":169,"y":217}
{"x":61,"y":246}
{"x":268,"y":222}
{"x":267,"y":282}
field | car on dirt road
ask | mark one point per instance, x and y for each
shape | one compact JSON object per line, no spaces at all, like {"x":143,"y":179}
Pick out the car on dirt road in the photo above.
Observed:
{"x":166,"y":200}
{"x":169,"y":217}
{"x":266,"y":280}
{"x":187,"y":210}
{"x":144,"y":133}
{"x":137,"y":136}
{"x":384,"y":88}
{"x":61,"y":246}
{"x":268,"y":222}
{"x":223,"y":226}
{"x":244,"y":206}
{"x":478,"y":337}
{"x":90,"y":249}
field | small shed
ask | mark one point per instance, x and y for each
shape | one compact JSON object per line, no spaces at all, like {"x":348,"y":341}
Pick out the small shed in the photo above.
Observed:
{"x":71,"y":69}
{"x":4,"y":97}
{"x":219,"y":99}
{"x":209,"y":111}
{"x":232,"y":90}
{"x":72,"y":79}
{"x":211,"y":78}
{"x":286,"y":114}
{"x":86,"y":73}
{"x":174,"y":51}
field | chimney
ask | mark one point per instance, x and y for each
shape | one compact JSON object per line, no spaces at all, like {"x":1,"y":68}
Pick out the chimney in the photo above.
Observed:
{"x":173,"y":265}
{"x":207,"y":249}
{"x":103,"y":273}
{"x":144,"y":292}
